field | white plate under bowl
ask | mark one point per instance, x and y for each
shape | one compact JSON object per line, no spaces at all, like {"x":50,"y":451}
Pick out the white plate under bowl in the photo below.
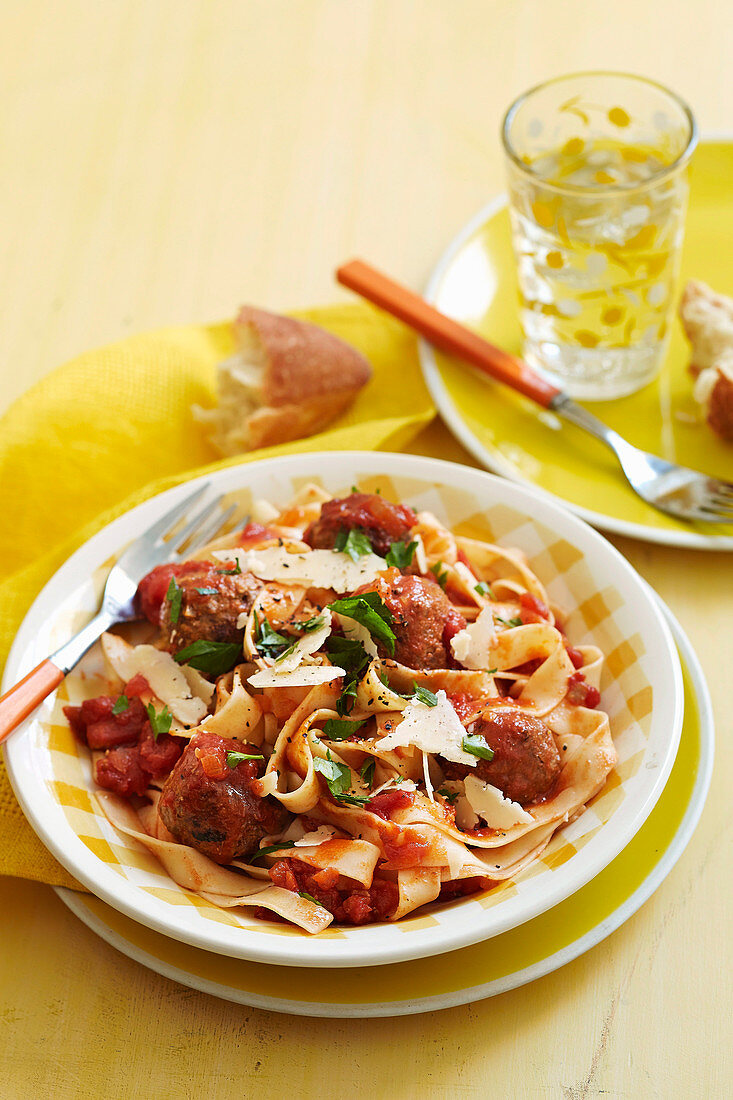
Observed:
{"x":606,"y":602}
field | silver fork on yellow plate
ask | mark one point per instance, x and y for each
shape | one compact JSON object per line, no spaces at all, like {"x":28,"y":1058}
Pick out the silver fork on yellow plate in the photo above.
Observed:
{"x":680,"y":492}
{"x":163,"y":542}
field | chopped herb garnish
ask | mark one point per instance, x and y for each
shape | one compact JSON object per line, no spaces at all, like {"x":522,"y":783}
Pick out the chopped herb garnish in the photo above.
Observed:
{"x":516,"y":621}
{"x":400,"y":554}
{"x":369,"y":610}
{"x":121,"y":705}
{"x":424,"y":695}
{"x":208,"y":591}
{"x":440,"y":573}
{"x":485,"y":589}
{"x":353,"y":542}
{"x":338,"y":729}
{"x":174,"y":595}
{"x":337,"y":776}
{"x":159,"y":722}
{"x":231,"y":572}
{"x":350,"y":655}
{"x":354,"y":799}
{"x":268,"y":851}
{"x":310,"y":624}
{"x":268,"y":641}
{"x":476,"y":745}
{"x":367,"y":772}
{"x":212,"y":658}
{"x":354,"y":488}
{"x":449,"y":796}
{"x":307,"y":897}
{"x":234,"y":758}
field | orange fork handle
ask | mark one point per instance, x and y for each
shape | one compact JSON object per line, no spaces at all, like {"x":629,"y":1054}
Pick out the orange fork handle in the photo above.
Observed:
{"x":22,"y":700}
{"x":445,"y":333}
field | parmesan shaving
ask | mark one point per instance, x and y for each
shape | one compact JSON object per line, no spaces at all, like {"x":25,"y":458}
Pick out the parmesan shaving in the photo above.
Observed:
{"x":471,"y":645}
{"x":322,"y":833}
{"x":167,"y":680}
{"x":304,"y":676}
{"x":430,"y":729}
{"x":421,"y":558}
{"x":489,"y":803}
{"x":310,"y":643}
{"x":315,"y":568}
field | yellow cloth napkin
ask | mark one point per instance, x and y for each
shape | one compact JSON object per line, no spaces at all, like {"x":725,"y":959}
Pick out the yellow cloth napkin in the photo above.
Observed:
{"x":83,"y":444}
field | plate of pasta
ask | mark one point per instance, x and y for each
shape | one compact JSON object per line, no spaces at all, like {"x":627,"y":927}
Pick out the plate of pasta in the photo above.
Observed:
{"x":401,"y":706}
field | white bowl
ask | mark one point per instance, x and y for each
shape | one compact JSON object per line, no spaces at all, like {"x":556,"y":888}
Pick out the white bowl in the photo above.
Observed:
{"x":607,"y":603}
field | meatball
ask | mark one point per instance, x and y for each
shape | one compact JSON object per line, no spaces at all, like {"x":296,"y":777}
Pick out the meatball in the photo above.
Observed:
{"x":526,"y":762}
{"x":382,"y":522}
{"x":210,"y":604}
{"x":424,"y":618}
{"x":210,"y":806}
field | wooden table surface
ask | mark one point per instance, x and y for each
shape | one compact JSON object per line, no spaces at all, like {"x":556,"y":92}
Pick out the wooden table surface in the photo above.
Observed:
{"x":164,"y":161}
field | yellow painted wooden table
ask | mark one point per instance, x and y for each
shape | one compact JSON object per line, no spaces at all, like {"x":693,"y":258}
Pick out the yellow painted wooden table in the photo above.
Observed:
{"x":164,"y":162}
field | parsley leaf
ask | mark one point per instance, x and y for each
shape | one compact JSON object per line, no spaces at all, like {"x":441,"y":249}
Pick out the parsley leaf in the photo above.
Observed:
{"x":310,"y":624}
{"x":354,"y":799}
{"x":121,"y":705}
{"x":174,"y":595}
{"x":484,"y":589}
{"x":400,"y":554}
{"x":231,"y":572}
{"x":516,"y":621}
{"x":476,"y":745}
{"x":369,"y":610}
{"x":338,"y":729}
{"x":208,"y":591}
{"x":350,"y":655}
{"x":424,"y":695}
{"x":353,"y":542}
{"x":308,"y":897}
{"x":159,"y":723}
{"x":234,"y":758}
{"x":367,"y":772}
{"x":440,"y":573}
{"x":449,"y":796}
{"x":268,"y":641}
{"x":212,"y":658}
{"x":272,"y":848}
{"x":337,"y":776}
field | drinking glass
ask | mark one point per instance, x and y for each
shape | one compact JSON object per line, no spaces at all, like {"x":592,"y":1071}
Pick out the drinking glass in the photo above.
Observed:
{"x":597,"y":166}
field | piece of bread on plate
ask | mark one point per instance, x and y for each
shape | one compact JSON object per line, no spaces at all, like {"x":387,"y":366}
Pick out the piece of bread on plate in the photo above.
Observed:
{"x":287,"y":380}
{"x":707,"y":319}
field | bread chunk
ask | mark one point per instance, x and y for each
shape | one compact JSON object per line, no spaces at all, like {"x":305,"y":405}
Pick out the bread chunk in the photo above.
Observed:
{"x":707,"y":319}
{"x":288,"y":379}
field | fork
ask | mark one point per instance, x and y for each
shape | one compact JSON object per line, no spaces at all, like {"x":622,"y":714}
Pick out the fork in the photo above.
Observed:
{"x":160,"y":544}
{"x":680,"y":492}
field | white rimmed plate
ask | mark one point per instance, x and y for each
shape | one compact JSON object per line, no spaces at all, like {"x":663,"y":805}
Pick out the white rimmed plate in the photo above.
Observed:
{"x":606,"y":600}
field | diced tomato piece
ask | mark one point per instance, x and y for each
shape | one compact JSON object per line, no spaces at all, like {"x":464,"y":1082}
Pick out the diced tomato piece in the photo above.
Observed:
{"x":454,"y":622}
{"x":212,"y":758}
{"x":158,"y":757}
{"x":327,"y":878}
{"x":575,"y":656}
{"x":282,"y":875}
{"x":407,"y":849}
{"x":96,"y":723}
{"x":357,"y":907}
{"x":153,"y":587}
{"x":255,"y":533}
{"x":387,"y":802}
{"x":581,"y":693}
{"x":119,"y":770}
{"x":532,"y":609}
{"x":384,"y":897}
{"x":136,"y":687}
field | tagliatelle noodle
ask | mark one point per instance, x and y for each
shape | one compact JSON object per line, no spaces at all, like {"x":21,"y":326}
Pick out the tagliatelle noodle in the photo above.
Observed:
{"x":287,"y":723}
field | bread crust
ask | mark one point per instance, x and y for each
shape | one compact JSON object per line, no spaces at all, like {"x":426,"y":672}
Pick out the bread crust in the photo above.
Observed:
{"x":289,"y":379}
{"x":303,"y":361}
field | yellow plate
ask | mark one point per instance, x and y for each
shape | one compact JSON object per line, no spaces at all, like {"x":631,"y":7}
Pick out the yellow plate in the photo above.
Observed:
{"x":482,"y":970}
{"x":475,"y":282}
